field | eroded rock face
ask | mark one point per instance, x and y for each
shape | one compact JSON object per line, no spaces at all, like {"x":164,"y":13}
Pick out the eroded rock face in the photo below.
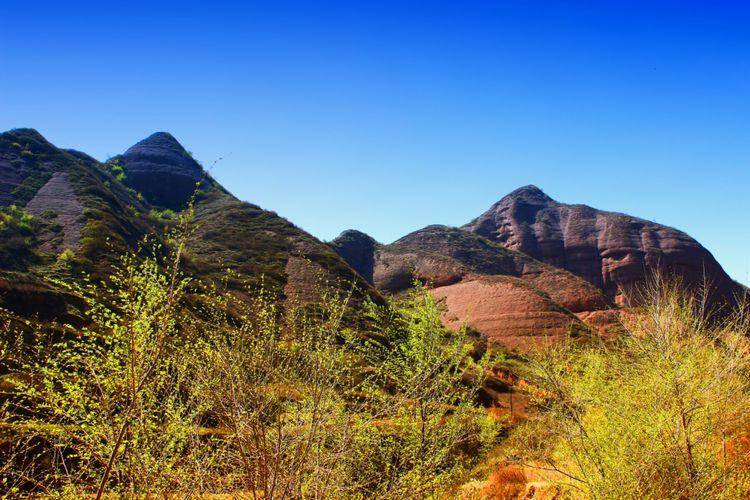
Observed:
{"x":161,"y":170}
{"x":57,"y":197}
{"x":615,"y":252}
{"x":358,"y":249}
{"x":508,"y":311}
{"x":511,"y":298}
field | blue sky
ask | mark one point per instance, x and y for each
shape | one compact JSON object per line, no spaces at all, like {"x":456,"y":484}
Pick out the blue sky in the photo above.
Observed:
{"x":390,"y":116}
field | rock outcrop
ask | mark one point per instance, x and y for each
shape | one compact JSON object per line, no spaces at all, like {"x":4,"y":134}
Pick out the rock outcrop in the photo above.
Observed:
{"x":615,"y":252}
{"x":441,"y":255}
{"x":161,"y":170}
{"x":57,"y":198}
{"x":509,"y":311}
{"x":508,"y":296}
{"x":358,"y":249}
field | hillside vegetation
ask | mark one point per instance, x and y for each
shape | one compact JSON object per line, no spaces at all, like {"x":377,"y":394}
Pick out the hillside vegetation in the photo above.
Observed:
{"x":176,"y":387}
{"x":663,"y":411}
{"x":160,"y":337}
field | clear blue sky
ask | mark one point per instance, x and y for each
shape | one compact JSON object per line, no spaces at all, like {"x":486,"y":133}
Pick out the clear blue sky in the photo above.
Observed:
{"x":394,"y":115}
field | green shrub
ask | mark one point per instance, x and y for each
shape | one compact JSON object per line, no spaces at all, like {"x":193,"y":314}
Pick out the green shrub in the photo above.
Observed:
{"x":177,"y":387}
{"x":13,"y":218}
{"x":66,"y":259}
{"x":655,"y":414}
{"x":116,"y":170}
{"x":165,"y":214}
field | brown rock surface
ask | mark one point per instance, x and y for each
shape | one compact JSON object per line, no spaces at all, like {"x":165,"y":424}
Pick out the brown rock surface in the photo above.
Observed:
{"x":615,"y":252}
{"x":515,"y":300}
{"x":57,"y":197}
{"x":607,"y":322}
{"x":508,"y":311}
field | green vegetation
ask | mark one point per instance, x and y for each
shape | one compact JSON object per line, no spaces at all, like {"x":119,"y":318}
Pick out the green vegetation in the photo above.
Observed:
{"x":17,"y":229}
{"x":663,"y":412}
{"x":253,"y":242}
{"x":15,"y":219}
{"x":165,"y":214}
{"x":25,"y":191}
{"x":66,"y":259}
{"x":177,"y":387}
{"x":114,"y":168}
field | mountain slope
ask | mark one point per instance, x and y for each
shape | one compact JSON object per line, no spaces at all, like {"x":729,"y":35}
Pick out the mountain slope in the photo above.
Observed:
{"x":255,"y":244}
{"x":63,"y":213}
{"x":615,"y":252}
{"x":506,"y":295}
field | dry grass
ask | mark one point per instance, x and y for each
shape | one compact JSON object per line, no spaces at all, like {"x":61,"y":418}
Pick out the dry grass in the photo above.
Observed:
{"x":507,"y":482}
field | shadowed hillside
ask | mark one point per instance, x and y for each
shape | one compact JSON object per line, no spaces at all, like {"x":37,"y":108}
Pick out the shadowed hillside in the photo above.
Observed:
{"x":66,"y":213}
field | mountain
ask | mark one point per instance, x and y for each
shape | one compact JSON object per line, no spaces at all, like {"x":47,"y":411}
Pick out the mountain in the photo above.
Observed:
{"x":358,"y":249}
{"x":63,"y":213}
{"x":613,"y":251}
{"x":232,"y":234}
{"x":56,"y":204}
{"x":506,"y":295}
{"x":527,"y":270}
{"x":161,"y":170}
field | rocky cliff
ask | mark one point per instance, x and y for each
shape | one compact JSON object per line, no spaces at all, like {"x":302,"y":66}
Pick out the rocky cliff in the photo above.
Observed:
{"x":613,"y":251}
{"x":161,"y":170}
{"x":506,"y":295}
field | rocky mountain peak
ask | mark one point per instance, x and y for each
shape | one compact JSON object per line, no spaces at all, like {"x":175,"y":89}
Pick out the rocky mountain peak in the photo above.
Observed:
{"x":529,"y":192}
{"x":356,"y":236}
{"x":29,"y":133}
{"x":358,"y":249}
{"x":615,"y":252}
{"x":162,"y":170}
{"x":161,"y":139}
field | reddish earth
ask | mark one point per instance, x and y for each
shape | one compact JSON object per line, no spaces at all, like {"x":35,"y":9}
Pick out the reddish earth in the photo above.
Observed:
{"x":508,"y":311}
{"x":511,"y":298}
{"x":606,"y":322}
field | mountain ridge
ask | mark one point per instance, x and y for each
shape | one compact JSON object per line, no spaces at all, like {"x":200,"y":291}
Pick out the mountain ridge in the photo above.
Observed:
{"x":92,"y":212}
{"x":531,"y":267}
{"x":612,"y":250}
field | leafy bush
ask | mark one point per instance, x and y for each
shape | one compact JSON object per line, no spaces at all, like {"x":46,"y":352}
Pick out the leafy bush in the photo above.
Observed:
{"x":15,"y":219}
{"x":115,"y":169}
{"x":165,"y":214}
{"x":663,"y":412}
{"x":178,"y":387}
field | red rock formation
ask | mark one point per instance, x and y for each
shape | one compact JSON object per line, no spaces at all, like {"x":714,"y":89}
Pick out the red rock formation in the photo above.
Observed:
{"x":508,"y":311}
{"x":511,"y":298}
{"x":441,"y":255}
{"x":615,"y":252}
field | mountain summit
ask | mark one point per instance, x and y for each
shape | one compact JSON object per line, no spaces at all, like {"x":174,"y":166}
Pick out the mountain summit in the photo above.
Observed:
{"x":162,"y":170}
{"x":615,"y":252}
{"x":64,"y":206}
